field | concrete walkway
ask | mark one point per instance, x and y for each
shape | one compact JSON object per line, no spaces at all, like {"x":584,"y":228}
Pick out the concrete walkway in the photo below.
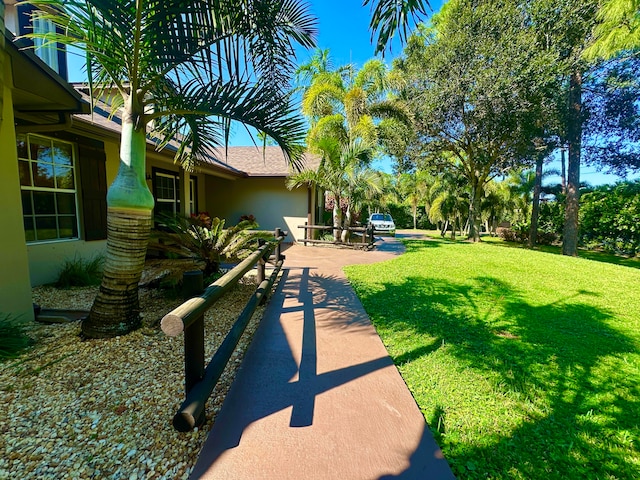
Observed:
{"x":317,"y":396}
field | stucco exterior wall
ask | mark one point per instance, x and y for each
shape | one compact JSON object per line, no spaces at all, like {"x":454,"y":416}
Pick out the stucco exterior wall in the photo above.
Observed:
{"x":47,"y":259}
{"x":15,"y":286}
{"x":267,"y":199}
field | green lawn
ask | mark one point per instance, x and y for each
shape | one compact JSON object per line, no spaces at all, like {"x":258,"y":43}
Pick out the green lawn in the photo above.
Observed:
{"x":525,"y":364}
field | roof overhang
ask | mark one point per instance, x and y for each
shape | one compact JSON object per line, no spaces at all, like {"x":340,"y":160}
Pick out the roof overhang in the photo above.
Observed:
{"x":40,"y":95}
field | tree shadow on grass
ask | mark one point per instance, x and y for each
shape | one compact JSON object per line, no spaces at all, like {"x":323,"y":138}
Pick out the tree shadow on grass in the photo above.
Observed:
{"x":596,"y":256}
{"x":575,"y":401}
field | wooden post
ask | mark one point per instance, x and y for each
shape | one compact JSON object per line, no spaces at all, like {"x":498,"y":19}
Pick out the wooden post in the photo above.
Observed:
{"x":278,"y":250}
{"x":192,"y":285}
{"x":261,"y":263}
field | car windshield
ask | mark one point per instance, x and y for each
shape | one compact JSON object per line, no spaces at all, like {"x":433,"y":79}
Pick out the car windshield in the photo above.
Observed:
{"x":377,"y":216}
{"x":388,"y":218}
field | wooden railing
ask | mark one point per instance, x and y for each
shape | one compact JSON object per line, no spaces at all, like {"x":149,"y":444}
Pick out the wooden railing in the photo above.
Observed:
{"x":189,"y":318}
{"x":365,"y":232}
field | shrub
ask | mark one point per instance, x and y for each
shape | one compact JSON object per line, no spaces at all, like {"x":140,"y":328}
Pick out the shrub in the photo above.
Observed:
{"x":192,"y":238}
{"x":547,"y":238}
{"x":13,"y":339}
{"x":80,"y":273}
{"x":518,"y":233}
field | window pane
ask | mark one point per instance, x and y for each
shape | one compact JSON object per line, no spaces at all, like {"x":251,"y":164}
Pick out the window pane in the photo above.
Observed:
{"x":68,"y":227}
{"x":25,"y":177}
{"x":27,"y":208}
{"x":62,"y":154}
{"x":164,"y":208}
{"x":43,"y":203}
{"x":66,"y":203}
{"x":29,"y":230}
{"x":46,"y":228}
{"x":40,"y":150}
{"x":64,"y":177}
{"x":42,"y":175}
{"x":165,"y":188}
{"x":22,"y":147}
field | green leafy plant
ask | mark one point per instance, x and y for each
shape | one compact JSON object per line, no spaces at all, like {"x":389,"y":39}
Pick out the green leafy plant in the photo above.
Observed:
{"x":79,"y":272}
{"x":206,"y":239}
{"x":13,"y":337}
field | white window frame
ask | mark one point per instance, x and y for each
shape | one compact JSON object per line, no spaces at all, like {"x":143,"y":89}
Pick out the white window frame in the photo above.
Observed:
{"x":175,"y":201}
{"x":55,"y":189}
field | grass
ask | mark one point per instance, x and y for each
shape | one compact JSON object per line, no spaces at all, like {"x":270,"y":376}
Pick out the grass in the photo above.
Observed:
{"x":525,"y":364}
{"x":596,"y":255}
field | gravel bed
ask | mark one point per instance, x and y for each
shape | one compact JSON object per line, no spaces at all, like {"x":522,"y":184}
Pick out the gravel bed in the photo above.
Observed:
{"x":103,"y":408}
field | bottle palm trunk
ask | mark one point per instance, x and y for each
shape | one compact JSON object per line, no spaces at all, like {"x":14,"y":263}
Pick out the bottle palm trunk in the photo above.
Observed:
{"x":116,"y":309}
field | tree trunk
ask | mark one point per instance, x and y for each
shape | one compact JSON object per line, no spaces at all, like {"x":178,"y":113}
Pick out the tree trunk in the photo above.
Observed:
{"x":116,"y":309}
{"x":474,"y":210}
{"x":445,"y":225}
{"x":345,"y":226}
{"x":535,"y":209}
{"x":337,"y":219}
{"x":574,"y":137}
{"x":415,"y":215}
{"x":563,"y":163}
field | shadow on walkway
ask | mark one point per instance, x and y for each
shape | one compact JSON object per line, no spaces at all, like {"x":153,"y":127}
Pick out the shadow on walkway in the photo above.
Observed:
{"x":317,"y":396}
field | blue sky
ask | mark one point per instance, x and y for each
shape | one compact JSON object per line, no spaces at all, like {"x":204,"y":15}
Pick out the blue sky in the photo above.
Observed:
{"x":343,"y":28}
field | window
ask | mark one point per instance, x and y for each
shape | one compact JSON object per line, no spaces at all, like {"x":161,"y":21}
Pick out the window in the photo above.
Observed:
{"x":167,"y":193}
{"x":48,"y":185}
{"x":48,"y":53}
{"x":53,"y":54}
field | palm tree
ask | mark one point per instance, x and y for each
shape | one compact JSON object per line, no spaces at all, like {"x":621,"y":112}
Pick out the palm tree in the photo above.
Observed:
{"x":343,"y":175}
{"x":345,"y":104}
{"x":413,"y":188}
{"x":449,"y":201}
{"x":185,"y":70}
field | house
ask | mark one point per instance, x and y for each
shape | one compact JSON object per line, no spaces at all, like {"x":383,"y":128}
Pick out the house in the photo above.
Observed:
{"x":54,"y":183}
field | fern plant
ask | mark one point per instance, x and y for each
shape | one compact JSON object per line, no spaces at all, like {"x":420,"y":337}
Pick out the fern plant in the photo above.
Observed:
{"x":207,"y":240}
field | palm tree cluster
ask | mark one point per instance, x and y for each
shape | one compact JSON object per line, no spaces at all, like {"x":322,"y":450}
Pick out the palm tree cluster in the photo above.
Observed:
{"x":346,"y":110}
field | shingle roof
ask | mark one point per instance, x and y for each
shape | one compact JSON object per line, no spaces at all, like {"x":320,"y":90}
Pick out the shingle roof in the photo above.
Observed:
{"x":259,"y":162}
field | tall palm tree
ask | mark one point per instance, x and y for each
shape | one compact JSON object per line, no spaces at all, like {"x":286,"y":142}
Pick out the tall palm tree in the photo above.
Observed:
{"x":185,"y":70}
{"x":345,"y":104}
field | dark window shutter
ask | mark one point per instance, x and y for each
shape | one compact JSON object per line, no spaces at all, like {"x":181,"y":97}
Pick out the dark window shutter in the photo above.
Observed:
{"x":93,"y":179}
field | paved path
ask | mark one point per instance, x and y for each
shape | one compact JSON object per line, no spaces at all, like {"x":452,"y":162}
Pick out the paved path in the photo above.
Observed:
{"x":317,"y":396}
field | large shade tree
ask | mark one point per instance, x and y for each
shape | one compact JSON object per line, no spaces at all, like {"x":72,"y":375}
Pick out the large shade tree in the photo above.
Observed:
{"x":477,"y":81}
{"x":185,"y":70}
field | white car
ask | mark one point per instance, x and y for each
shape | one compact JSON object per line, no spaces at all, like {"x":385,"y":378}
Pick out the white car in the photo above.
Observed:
{"x":382,"y":223}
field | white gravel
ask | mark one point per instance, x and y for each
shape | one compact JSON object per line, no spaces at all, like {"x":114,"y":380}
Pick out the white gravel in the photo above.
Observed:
{"x":103,"y":408}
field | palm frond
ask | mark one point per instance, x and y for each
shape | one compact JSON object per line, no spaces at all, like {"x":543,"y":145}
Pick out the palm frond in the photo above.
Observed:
{"x":235,"y":58}
{"x":321,"y":99}
{"x":391,"y":16}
